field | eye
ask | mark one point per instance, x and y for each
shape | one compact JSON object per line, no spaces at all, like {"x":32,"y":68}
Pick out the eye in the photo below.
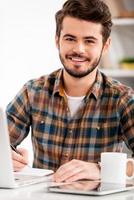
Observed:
{"x":90,"y":42}
{"x":69,"y":39}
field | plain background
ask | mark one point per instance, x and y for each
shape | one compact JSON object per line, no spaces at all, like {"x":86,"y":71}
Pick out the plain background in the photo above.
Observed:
{"x":27,"y":45}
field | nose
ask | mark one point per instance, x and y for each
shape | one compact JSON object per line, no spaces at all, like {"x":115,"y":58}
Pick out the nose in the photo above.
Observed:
{"x":79,"y":47}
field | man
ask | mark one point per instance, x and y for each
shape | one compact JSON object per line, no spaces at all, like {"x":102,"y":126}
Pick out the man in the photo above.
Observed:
{"x":75,"y":113}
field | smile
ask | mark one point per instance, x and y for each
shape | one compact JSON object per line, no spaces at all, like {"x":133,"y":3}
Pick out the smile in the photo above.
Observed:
{"x":77,"y":59}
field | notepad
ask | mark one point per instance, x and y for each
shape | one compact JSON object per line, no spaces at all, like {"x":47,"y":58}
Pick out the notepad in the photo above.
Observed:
{"x":34,"y":171}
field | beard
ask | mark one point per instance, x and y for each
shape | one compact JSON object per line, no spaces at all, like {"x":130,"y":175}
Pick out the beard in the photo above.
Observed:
{"x":76,"y":74}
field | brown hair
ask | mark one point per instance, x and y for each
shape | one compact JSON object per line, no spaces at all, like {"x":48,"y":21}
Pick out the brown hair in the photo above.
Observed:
{"x":90,"y":10}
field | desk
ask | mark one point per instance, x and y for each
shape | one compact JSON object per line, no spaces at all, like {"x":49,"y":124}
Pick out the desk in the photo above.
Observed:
{"x":39,"y":192}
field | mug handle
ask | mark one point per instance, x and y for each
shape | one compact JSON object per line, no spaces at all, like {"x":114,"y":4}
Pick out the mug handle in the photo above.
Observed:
{"x":132,"y":166}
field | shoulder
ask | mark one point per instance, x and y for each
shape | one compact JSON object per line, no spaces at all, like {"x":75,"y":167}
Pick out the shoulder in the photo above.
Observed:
{"x":121,"y":92}
{"x":42,"y":82}
{"x":116,"y":87}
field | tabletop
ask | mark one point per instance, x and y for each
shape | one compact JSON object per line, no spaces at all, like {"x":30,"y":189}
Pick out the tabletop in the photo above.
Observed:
{"x":40,"y":192}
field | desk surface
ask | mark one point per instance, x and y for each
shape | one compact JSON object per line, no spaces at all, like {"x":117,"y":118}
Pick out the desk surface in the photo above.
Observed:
{"x":39,"y":192}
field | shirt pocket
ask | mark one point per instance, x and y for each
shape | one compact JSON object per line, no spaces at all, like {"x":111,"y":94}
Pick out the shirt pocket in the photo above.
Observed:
{"x":43,"y":128}
{"x":39,"y":127}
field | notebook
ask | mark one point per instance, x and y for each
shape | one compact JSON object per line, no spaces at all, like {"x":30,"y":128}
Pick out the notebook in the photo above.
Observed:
{"x":8,"y":178}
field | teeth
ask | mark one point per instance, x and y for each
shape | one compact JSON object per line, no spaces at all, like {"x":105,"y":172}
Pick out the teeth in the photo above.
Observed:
{"x":78,"y":59}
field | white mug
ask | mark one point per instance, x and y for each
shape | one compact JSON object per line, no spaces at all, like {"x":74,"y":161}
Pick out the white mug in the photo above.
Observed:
{"x":113,"y":167}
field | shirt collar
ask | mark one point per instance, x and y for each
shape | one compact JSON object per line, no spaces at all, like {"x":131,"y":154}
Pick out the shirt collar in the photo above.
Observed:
{"x":95,"y":90}
{"x":58,"y":87}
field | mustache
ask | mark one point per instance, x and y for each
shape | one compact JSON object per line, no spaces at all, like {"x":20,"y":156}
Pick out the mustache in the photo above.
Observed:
{"x":78,"y":56}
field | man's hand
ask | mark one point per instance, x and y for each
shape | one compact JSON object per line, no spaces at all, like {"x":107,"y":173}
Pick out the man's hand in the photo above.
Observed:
{"x":76,"y":170}
{"x":20,"y":160}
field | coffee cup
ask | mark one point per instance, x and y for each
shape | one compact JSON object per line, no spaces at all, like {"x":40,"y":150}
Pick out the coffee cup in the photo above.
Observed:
{"x":114,"y":167}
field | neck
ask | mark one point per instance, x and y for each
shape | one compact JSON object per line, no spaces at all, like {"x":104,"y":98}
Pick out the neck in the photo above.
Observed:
{"x":78,"y":86}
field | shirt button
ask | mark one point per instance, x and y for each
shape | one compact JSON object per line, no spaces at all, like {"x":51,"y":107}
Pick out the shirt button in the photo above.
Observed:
{"x":70,"y":131}
{"x":66,"y":155}
{"x":67,"y":109}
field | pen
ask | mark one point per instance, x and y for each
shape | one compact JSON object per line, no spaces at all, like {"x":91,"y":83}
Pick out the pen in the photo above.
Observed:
{"x":14,"y":149}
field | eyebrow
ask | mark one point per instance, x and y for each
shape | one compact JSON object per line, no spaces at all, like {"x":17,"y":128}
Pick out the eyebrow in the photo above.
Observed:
{"x":69,"y":35}
{"x":86,"y":37}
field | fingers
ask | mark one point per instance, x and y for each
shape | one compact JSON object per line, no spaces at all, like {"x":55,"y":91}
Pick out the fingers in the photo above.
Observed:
{"x":24,"y":153}
{"x":68,"y":170}
{"x":18,"y":166}
{"x":76,"y":170}
{"x":77,"y":176}
{"x":20,"y":160}
{"x":65,"y":173}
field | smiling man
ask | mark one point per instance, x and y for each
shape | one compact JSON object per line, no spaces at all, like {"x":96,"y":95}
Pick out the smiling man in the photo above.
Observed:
{"x":76,"y":112}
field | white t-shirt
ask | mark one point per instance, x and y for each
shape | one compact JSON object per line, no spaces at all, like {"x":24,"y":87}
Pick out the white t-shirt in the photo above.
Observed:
{"x":74,"y":103}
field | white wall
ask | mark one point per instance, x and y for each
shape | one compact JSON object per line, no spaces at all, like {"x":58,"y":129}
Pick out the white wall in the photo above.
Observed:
{"x":27,"y":46}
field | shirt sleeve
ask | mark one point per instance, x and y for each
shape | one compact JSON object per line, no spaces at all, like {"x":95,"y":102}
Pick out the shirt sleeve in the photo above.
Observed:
{"x":127,"y":119}
{"x":18,"y":115}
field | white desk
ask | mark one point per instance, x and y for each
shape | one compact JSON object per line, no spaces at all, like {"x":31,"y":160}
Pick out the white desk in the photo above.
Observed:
{"x":39,"y":192}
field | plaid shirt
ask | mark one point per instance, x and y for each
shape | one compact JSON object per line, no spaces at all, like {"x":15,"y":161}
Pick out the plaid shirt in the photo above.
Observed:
{"x":104,"y":120}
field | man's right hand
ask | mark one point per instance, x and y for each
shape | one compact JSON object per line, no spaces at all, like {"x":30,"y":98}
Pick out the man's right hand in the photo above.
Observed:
{"x":20,"y":160}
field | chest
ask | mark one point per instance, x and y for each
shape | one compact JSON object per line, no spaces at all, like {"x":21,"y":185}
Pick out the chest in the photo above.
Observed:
{"x":95,"y":122}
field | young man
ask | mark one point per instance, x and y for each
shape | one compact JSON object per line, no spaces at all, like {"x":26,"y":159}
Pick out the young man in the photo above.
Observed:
{"x":75,"y":113}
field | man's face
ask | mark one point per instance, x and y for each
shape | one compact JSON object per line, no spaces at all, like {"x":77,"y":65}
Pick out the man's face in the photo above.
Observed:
{"x":80,"y":46}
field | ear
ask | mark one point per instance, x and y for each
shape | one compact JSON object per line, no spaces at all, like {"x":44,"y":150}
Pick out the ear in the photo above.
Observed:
{"x":57,"y":41}
{"x":106,"y":45}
